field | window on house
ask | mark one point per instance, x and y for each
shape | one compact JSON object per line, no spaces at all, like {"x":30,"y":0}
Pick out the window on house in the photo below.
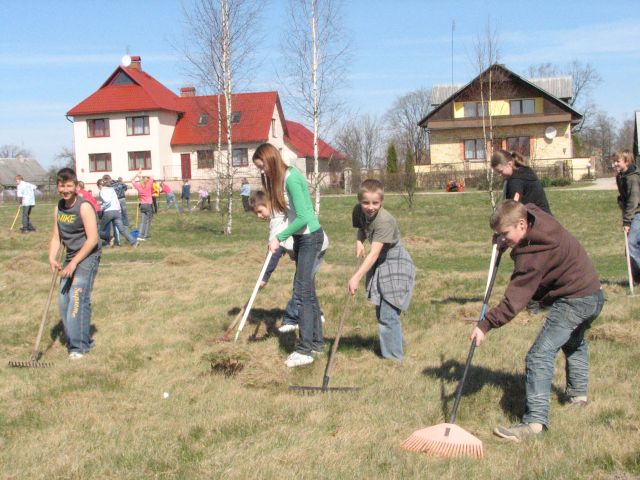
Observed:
{"x":204,"y":119}
{"x":235,"y":117}
{"x":523,"y":107}
{"x":139,"y":160}
{"x":138,"y":125}
{"x":240,"y":157}
{"x":475,"y":109}
{"x":99,"y":162}
{"x":474,"y":149}
{"x":519,"y":144}
{"x":497,"y":144}
{"x":205,"y":158}
{"x":122,"y":79}
{"x":98,"y":127}
{"x":273,"y":127}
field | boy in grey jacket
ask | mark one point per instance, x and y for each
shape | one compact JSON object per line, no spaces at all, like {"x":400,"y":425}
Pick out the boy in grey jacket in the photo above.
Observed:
{"x":628,"y":181}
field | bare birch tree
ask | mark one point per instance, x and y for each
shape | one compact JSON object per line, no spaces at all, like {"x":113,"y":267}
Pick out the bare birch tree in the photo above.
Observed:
{"x":403,"y":118}
{"x":361,"y":140}
{"x":315,"y":59}
{"x":487,"y":54}
{"x":223,"y":36}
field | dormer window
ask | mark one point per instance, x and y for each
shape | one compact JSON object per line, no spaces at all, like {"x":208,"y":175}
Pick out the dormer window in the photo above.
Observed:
{"x":235,"y":117}
{"x":273,"y":127}
{"x":122,"y":79}
{"x":475,"y":109}
{"x":204,"y":119}
{"x":523,"y":107}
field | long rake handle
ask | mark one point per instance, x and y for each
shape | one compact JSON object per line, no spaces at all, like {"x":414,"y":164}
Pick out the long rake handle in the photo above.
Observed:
{"x":334,"y":347}
{"x":626,"y":246}
{"x":15,"y":219}
{"x":234,"y":324}
{"x":253,"y":296}
{"x":36,"y":349}
{"x":472,"y":349}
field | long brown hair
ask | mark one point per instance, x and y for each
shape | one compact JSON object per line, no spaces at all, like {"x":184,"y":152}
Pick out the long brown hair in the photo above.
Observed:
{"x":501,"y":157}
{"x":273,"y":183}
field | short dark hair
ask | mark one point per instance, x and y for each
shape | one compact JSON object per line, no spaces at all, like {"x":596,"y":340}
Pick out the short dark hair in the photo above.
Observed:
{"x":66,"y":175}
{"x":259,"y":199}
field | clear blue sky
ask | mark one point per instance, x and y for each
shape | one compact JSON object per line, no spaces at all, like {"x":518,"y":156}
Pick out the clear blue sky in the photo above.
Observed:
{"x":53,"y":54}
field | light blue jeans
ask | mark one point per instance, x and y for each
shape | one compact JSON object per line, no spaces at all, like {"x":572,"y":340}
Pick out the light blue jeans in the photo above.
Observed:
{"x":567,"y":321}
{"x":74,"y":303}
{"x":291,"y":316}
{"x":390,"y":331}
{"x":171,"y":198}
{"x":146,"y":214}
{"x":634,"y":247}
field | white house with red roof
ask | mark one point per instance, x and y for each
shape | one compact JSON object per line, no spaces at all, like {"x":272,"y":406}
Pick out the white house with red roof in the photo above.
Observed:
{"x":133,"y":121}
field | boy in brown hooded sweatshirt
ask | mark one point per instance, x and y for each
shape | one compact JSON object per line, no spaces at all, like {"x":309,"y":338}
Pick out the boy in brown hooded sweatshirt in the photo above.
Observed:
{"x":551,"y":266}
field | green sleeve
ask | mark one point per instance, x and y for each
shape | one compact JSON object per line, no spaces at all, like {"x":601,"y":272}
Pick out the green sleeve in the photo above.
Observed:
{"x":299,"y":196}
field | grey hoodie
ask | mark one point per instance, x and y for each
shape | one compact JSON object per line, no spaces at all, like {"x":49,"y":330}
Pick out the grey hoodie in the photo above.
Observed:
{"x":629,"y":188}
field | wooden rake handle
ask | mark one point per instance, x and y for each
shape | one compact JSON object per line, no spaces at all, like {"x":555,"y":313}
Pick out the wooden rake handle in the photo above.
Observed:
{"x":334,"y":348}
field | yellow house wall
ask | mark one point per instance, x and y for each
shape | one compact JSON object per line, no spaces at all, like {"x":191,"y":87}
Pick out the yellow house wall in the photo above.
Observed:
{"x":445,"y":144}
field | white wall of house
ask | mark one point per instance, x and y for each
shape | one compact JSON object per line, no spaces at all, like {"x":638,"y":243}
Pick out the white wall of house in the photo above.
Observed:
{"x":119,"y":144}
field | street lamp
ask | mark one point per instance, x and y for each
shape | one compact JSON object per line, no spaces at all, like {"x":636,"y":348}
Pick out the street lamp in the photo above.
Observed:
{"x":589,"y":170}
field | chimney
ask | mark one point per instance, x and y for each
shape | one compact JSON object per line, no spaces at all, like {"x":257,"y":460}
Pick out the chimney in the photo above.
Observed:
{"x":136,"y":62}
{"x":188,"y":92}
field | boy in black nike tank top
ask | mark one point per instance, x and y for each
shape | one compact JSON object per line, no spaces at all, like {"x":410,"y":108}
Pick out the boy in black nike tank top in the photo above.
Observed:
{"x":76,"y":227}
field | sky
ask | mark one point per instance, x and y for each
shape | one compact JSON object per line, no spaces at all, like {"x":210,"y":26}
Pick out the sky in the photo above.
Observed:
{"x":53,"y":54}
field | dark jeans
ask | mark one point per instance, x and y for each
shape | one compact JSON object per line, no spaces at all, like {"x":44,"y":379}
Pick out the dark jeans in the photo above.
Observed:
{"x":123,"y":211}
{"x":291,"y":315}
{"x":155,"y":204}
{"x":114,"y":218}
{"x":245,"y":203}
{"x":26,"y":220}
{"x":307,"y":248}
{"x":567,"y":321}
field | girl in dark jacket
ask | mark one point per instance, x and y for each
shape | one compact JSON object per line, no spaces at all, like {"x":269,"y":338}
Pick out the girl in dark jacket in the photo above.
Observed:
{"x":521,"y":182}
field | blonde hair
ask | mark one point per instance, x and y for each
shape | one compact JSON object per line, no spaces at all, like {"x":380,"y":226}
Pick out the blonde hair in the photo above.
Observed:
{"x":274,"y":182}
{"x":501,"y":157}
{"x":143,"y":181}
{"x":624,"y":155}
{"x":507,"y":214}
{"x":371,"y":185}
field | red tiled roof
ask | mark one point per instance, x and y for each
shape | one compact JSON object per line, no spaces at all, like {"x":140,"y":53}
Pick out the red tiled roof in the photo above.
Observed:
{"x":146,"y":93}
{"x":256,"y":112}
{"x":300,"y":138}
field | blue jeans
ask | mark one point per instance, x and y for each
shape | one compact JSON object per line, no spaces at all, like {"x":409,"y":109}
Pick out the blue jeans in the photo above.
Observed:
{"x":634,"y":247}
{"x":123,"y":211}
{"x":390,"y":331}
{"x":291,"y":315}
{"x":114,"y":217}
{"x":74,"y":303}
{"x":171,"y":198}
{"x":146,"y":214}
{"x":307,"y":249}
{"x":565,"y":326}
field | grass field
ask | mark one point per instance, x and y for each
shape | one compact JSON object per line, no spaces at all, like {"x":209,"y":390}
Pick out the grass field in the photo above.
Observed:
{"x":158,"y":310}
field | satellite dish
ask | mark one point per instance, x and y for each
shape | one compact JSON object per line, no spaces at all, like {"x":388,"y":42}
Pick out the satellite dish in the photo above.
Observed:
{"x":550,"y":133}
{"x":126,"y":61}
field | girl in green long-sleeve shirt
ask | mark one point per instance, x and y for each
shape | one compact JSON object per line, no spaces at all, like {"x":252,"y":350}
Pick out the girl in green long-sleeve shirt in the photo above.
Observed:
{"x":288,"y":193}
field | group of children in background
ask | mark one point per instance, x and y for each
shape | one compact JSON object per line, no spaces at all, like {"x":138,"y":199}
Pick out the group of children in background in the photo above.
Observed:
{"x":550,"y":266}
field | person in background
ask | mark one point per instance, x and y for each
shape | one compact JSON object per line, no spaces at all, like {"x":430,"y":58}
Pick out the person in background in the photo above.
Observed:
{"x":145,"y":191}
{"x":171,"y":197}
{"x":87,"y":195}
{"x":628,"y":182}
{"x":111,"y":215}
{"x":154,"y":196}
{"x":245,"y":193}
{"x":120,"y":188}
{"x":26,"y":192}
{"x":205,"y":198}
{"x":186,"y":194}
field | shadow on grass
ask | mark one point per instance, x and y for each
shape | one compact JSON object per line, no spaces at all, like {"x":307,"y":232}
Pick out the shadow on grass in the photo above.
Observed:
{"x":458,"y":300}
{"x":619,"y":283}
{"x":57,"y":333}
{"x":511,"y":384}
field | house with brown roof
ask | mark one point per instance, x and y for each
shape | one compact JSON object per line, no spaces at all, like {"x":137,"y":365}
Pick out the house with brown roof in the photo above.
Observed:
{"x":133,"y":121}
{"x":502,"y":110}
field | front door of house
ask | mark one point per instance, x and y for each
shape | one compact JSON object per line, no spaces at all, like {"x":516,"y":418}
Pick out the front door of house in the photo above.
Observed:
{"x":185,"y":164}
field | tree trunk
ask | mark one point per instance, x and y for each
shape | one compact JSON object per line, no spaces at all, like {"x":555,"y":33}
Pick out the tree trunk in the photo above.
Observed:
{"x":316,"y":113}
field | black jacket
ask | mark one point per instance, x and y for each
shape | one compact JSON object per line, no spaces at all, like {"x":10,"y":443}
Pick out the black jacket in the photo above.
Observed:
{"x":629,"y":188}
{"x":524,"y":187}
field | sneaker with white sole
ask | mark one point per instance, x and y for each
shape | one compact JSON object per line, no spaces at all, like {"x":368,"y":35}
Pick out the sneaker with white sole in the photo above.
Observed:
{"x":298,"y":359}
{"x":579,"y":401}
{"x":517,"y":433}
{"x":75,"y":356}
{"x":322,"y":317}
{"x":288,"y":327}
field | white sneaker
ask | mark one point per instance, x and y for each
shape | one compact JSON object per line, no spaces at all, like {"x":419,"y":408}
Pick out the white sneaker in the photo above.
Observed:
{"x":288,"y":327}
{"x":322,"y":318}
{"x":298,"y":359}
{"x":75,"y":356}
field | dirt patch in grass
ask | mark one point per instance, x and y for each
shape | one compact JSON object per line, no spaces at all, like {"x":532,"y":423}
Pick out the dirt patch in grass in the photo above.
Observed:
{"x":179,"y":259}
{"x":226,"y":360}
{"x":26,"y":264}
{"x":418,"y":240}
